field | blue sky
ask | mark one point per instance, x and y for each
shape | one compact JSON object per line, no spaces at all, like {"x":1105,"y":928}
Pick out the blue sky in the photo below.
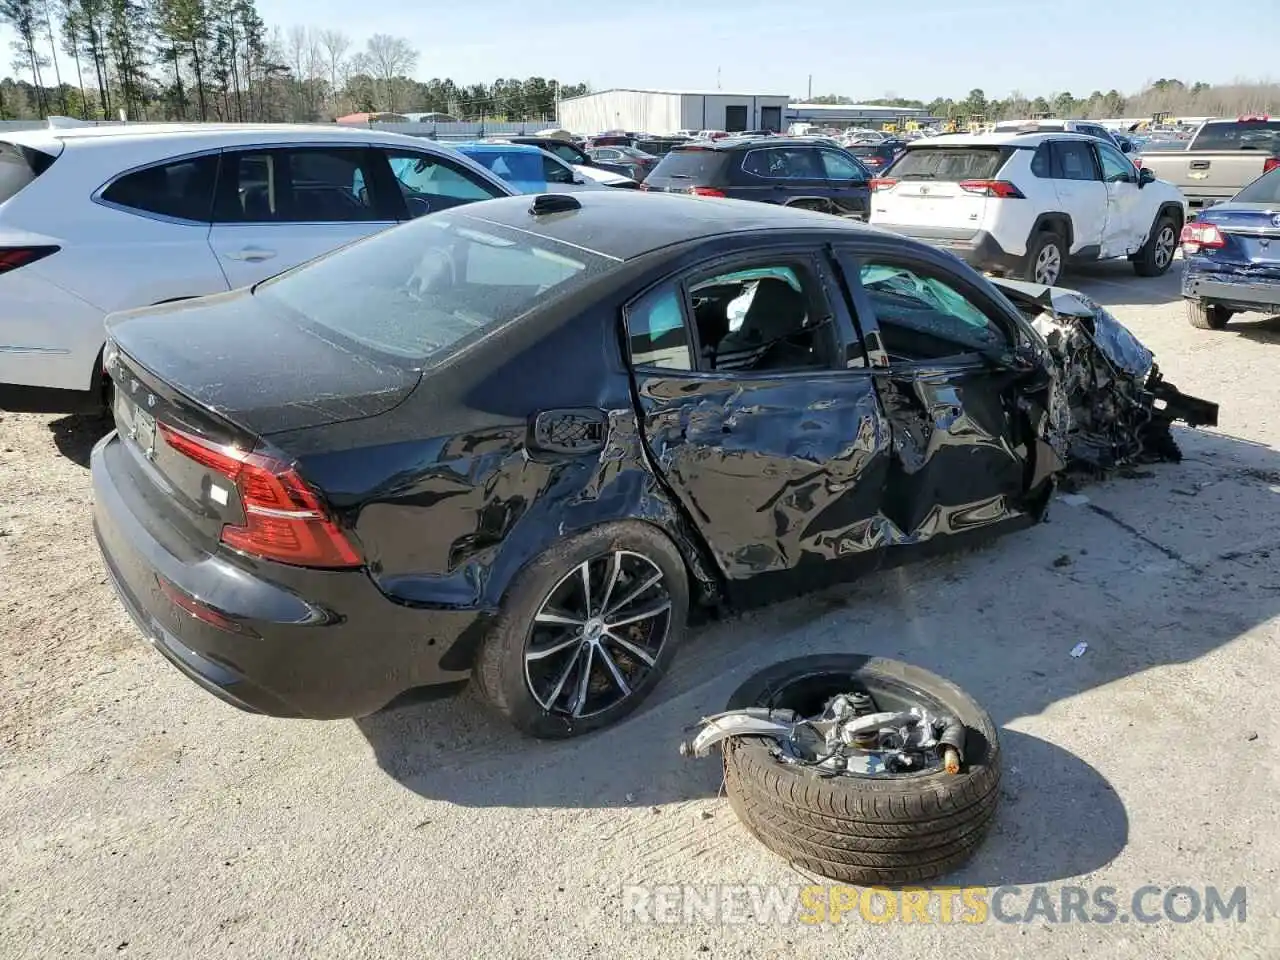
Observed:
{"x":931,"y":48}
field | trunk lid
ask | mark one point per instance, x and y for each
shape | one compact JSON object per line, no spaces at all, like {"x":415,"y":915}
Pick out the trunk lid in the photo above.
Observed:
{"x":251,"y":365}
{"x":1251,"y":232}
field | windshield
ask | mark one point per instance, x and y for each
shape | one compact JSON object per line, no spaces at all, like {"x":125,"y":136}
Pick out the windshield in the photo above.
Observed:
{"x":949,"y":163}
{"x":421,"y":291}
{"x":1261,"y":135}
{"x":1266,"y":189}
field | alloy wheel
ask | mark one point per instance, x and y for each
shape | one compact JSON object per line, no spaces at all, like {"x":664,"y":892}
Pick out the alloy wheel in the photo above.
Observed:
{"x":1165,"y":244}
{"x":598,"y":634}
{"x":1048,"y":265}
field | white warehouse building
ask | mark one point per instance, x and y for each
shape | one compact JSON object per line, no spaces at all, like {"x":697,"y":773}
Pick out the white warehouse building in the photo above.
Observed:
{"x":666,"y":111}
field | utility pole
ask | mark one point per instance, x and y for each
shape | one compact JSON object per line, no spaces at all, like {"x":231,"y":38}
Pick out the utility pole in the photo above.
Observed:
{"x":810,"y":97}
{"x":717,"y":78}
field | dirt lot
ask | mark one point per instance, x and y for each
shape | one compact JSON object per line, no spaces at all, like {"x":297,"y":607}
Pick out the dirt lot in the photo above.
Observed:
{"x":143,"y":818}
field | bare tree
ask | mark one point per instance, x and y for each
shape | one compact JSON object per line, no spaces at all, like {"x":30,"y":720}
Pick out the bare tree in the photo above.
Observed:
{"x":389,"y":57}
{"x":334,"y":44}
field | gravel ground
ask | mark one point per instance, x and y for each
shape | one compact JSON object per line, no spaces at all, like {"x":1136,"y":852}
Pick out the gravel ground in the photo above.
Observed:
{"x":143,"y":818}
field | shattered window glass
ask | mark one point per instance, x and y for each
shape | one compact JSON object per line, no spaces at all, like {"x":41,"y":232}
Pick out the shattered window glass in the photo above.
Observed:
{"x":912,"y":301}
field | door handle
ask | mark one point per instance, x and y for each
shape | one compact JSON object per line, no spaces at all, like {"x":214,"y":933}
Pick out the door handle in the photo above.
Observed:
{"x":251,"y":254}
{"x":1200,"y":164}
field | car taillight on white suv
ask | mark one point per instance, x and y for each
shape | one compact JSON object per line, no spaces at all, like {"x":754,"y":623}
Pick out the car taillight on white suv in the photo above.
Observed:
{"x":11,"y":258}
{"x":1001,"y":189}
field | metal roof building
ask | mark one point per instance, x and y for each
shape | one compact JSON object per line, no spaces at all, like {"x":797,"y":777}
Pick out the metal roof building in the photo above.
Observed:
{"x":666,"y":111}
{"x":849,"y":113}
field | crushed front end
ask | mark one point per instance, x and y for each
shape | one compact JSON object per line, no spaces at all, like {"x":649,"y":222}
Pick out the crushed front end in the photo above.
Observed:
{"x":1111,"y":405}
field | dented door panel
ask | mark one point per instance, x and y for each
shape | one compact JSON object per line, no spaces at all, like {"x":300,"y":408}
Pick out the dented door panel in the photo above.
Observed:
{"x":780,"y":474}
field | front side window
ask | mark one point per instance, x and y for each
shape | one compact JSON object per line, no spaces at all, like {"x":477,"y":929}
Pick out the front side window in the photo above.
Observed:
{"x":431,"y":183}
{"x":656,"y":330}
{"x":183,"y":189}
{"x":298,"y":185}
{"x":568,"y":153}
{"x":840,"y":167}
{"x":555,"y":172}
{"x":922,"y":317}
{"x":422,"y":291}
{"x":1073,"y":160}
{"x":1116,"y":167}
{"x":766,"y":317}
{"x":606,"y":154}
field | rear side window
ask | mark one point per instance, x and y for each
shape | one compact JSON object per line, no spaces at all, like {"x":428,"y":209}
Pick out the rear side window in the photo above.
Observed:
{"x":420,"y":292}
{"x":1073,"y":160}
{"x":785,"y":163}
{"x":1042,"y":162}
{"x":696,"y":166}
{"x":302,"y":185}
{"x":183,"y":189}
{"x":1261,"y":135}
{"x":19,"y":166}
{"x":950,"y":163}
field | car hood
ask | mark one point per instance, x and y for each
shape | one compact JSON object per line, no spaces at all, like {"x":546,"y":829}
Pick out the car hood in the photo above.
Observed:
{"x":257,"y":367}
{"x":606,"y":177}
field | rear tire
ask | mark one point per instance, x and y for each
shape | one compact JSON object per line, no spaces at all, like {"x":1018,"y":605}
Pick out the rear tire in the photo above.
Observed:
{"x":1046,"y":259}
{"x":507,"y":675}
{"x":1156,"y":255}
{"x":1207,"y":316}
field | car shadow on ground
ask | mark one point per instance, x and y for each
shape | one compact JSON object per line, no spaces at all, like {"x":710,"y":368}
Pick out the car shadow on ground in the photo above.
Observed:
{"x":1135,"y":570}
{"x":1255,"y":326}
{"x":75,"y":435}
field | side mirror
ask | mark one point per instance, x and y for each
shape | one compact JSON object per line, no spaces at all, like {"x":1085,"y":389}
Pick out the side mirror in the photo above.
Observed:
{"x":1146,"y":175}
{"x":1126,"y":147}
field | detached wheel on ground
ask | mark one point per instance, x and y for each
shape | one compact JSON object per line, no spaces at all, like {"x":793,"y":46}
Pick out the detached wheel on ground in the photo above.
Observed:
{"x":586,"y":631}
{"x":1207,"y":316}
{"x":1046,"y":256}
{"x":863,"y":828}
{"x":1156,"y":255}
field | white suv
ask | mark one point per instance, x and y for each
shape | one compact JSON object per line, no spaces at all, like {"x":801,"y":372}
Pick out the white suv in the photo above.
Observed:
{"x":1027,"y":204}
{"x":97,"y":219}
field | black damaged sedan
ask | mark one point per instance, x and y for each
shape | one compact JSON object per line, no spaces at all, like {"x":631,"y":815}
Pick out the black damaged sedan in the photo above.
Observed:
{"x":519,"y":441}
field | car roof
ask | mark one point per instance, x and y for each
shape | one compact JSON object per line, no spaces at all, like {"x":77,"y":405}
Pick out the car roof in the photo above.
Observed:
{"x":209,"y":134}
{"x":740,"y":143}
{"x":999,"y":139}
{"x":653,"y":220}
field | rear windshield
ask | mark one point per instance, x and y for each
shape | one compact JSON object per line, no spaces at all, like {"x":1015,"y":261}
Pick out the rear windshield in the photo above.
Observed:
{"x":1261,"y":135}
{"x":949,"y":163}
{"x":18,"y":167}
{"x":1266,"y":189}
{"x":868,"y":150}
{"x":422,"y":291}
{"x":686,"y":164}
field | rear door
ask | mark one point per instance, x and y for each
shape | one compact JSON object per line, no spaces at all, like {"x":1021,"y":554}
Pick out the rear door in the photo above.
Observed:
{"x":848,"y":183}
{"x":279,"y":207}
{"x":920,"y":193}
{"x":779,"y":458}
{"x":965,"y":455}
{"x":1077,"y":179}
{"x":783,"y":174}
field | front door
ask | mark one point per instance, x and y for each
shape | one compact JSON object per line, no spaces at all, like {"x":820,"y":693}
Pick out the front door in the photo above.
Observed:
{"x":965,"y":458}
{"x":850,"y":191}
{"x":762,"y":421}
{"x":1126,"y":227}
{"x":277,"y":208}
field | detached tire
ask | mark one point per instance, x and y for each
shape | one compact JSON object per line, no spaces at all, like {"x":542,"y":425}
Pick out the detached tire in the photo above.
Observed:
{"x":867,"y":830}
{"x":1207,"y":316}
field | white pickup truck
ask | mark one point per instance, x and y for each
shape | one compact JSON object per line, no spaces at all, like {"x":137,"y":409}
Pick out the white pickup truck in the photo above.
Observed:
{"x":1223,"y":157}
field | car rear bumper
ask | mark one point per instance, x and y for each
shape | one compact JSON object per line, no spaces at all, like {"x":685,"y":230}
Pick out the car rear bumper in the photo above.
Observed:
{"x":980,"y":250}
{"x":288,"y":642}
{"x":1242,"y":293}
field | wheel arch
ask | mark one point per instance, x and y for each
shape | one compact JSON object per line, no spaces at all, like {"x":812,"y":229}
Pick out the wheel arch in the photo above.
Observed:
{"x":1053,"y":221}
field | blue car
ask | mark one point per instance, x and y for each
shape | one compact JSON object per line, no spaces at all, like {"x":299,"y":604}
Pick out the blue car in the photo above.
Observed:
{"x":790,"y":171}
{"x":528,"y":169}
{"x":1233,"y":256}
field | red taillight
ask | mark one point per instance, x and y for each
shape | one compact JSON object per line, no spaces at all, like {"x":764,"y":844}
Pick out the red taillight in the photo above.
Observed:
{"x":644,"y":186}
{"x":11,"y":258}
{"x":883,"y":183}
{"x":1197,"y":236}
{"x":1002,"y":189}
{"x":1253,"y":118}
{"x":284,"y":520}
{"x":706,"y":192}
{"x":1270,"y":164}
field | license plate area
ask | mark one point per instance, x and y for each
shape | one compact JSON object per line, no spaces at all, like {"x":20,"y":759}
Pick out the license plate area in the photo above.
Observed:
{"x":136,"y":425}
